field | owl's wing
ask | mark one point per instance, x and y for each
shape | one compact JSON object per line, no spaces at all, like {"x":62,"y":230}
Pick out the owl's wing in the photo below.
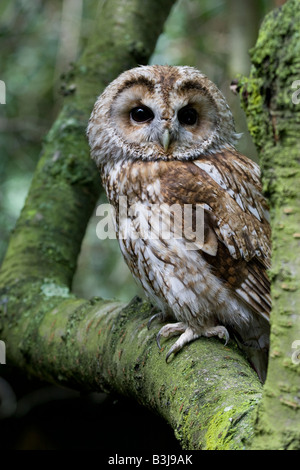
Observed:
{"x":237,"y":231}
{"x":238,"y":211}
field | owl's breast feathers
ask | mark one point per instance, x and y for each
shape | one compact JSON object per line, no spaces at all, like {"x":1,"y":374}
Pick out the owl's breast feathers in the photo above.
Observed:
{"x":237,"y":244}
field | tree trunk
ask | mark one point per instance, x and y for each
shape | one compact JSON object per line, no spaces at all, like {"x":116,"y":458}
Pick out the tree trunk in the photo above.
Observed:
{"x":208,"y":392}
{"x":242,"y":26}
{"x":272,"y":106}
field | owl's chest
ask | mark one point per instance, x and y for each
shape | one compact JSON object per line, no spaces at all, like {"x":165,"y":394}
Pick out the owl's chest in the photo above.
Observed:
{"x":150,"y":239}
{"x":133,"y":189}
{"x":135,"y":181}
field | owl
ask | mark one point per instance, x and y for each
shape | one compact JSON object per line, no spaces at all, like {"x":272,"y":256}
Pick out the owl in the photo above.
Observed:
{"x":163,"y":138}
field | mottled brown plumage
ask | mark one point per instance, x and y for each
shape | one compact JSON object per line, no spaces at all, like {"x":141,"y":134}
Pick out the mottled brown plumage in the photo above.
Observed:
{"x":163,"y":138}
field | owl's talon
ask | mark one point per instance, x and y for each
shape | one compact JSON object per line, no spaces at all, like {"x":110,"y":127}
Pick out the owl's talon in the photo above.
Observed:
{"x":171,"y":329}
{"x":158,"y":340}
{"x":154,"y":317}
{"x":169,"y":353}
{"x":186,"y":337}
{"x":160,"y":317}
{"x":226,"y":337}
{"x":173,"y":350}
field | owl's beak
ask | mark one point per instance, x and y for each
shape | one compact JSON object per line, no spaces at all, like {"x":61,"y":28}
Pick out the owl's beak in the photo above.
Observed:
{"x":165,"y":139}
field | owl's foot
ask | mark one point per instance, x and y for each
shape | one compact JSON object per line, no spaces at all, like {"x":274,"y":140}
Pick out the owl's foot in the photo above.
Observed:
{"x":187,"y":335}
{"x":172,"y":329}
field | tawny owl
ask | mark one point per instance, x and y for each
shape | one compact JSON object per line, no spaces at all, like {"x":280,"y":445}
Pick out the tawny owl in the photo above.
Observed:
{"x":164,"y":137}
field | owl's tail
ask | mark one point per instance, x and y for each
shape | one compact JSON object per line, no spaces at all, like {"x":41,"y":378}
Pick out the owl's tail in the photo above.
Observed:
{"x":254,"y":341}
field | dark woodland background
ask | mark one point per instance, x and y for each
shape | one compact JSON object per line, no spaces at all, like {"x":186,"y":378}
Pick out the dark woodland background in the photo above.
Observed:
{"x":39,"y":41}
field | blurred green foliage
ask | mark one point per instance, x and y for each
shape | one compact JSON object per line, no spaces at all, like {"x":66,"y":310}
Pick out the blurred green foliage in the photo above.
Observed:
{"x":30,"y":35}
{"x":40,"y":39}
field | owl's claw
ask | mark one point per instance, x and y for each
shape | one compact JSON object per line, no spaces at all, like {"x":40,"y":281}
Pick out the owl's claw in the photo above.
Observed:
{"x":185,"y":338}
{"x":160,"y":317}
{"x":187,"y":335}
{"x":171,"y":329}
{"x":219,"y":331}
{"x":226,"y":337}
{"x":156,"y":316}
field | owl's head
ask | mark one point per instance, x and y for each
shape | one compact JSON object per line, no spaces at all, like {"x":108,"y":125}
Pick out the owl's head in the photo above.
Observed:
{"x":160,"y":112}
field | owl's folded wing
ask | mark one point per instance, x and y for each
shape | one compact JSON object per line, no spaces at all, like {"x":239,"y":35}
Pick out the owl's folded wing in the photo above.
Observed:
{"x":238,"y":211}
{"x":228,"y":186}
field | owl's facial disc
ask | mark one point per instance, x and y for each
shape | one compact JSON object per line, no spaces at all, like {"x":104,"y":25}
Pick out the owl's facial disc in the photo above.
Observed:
{"x":164,"y":124}
{"x":160,"y":112}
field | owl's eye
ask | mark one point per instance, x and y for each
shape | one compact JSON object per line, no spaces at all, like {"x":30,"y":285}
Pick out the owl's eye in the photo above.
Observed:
{"x":141,"y":114}
{"x":187,"y":116}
